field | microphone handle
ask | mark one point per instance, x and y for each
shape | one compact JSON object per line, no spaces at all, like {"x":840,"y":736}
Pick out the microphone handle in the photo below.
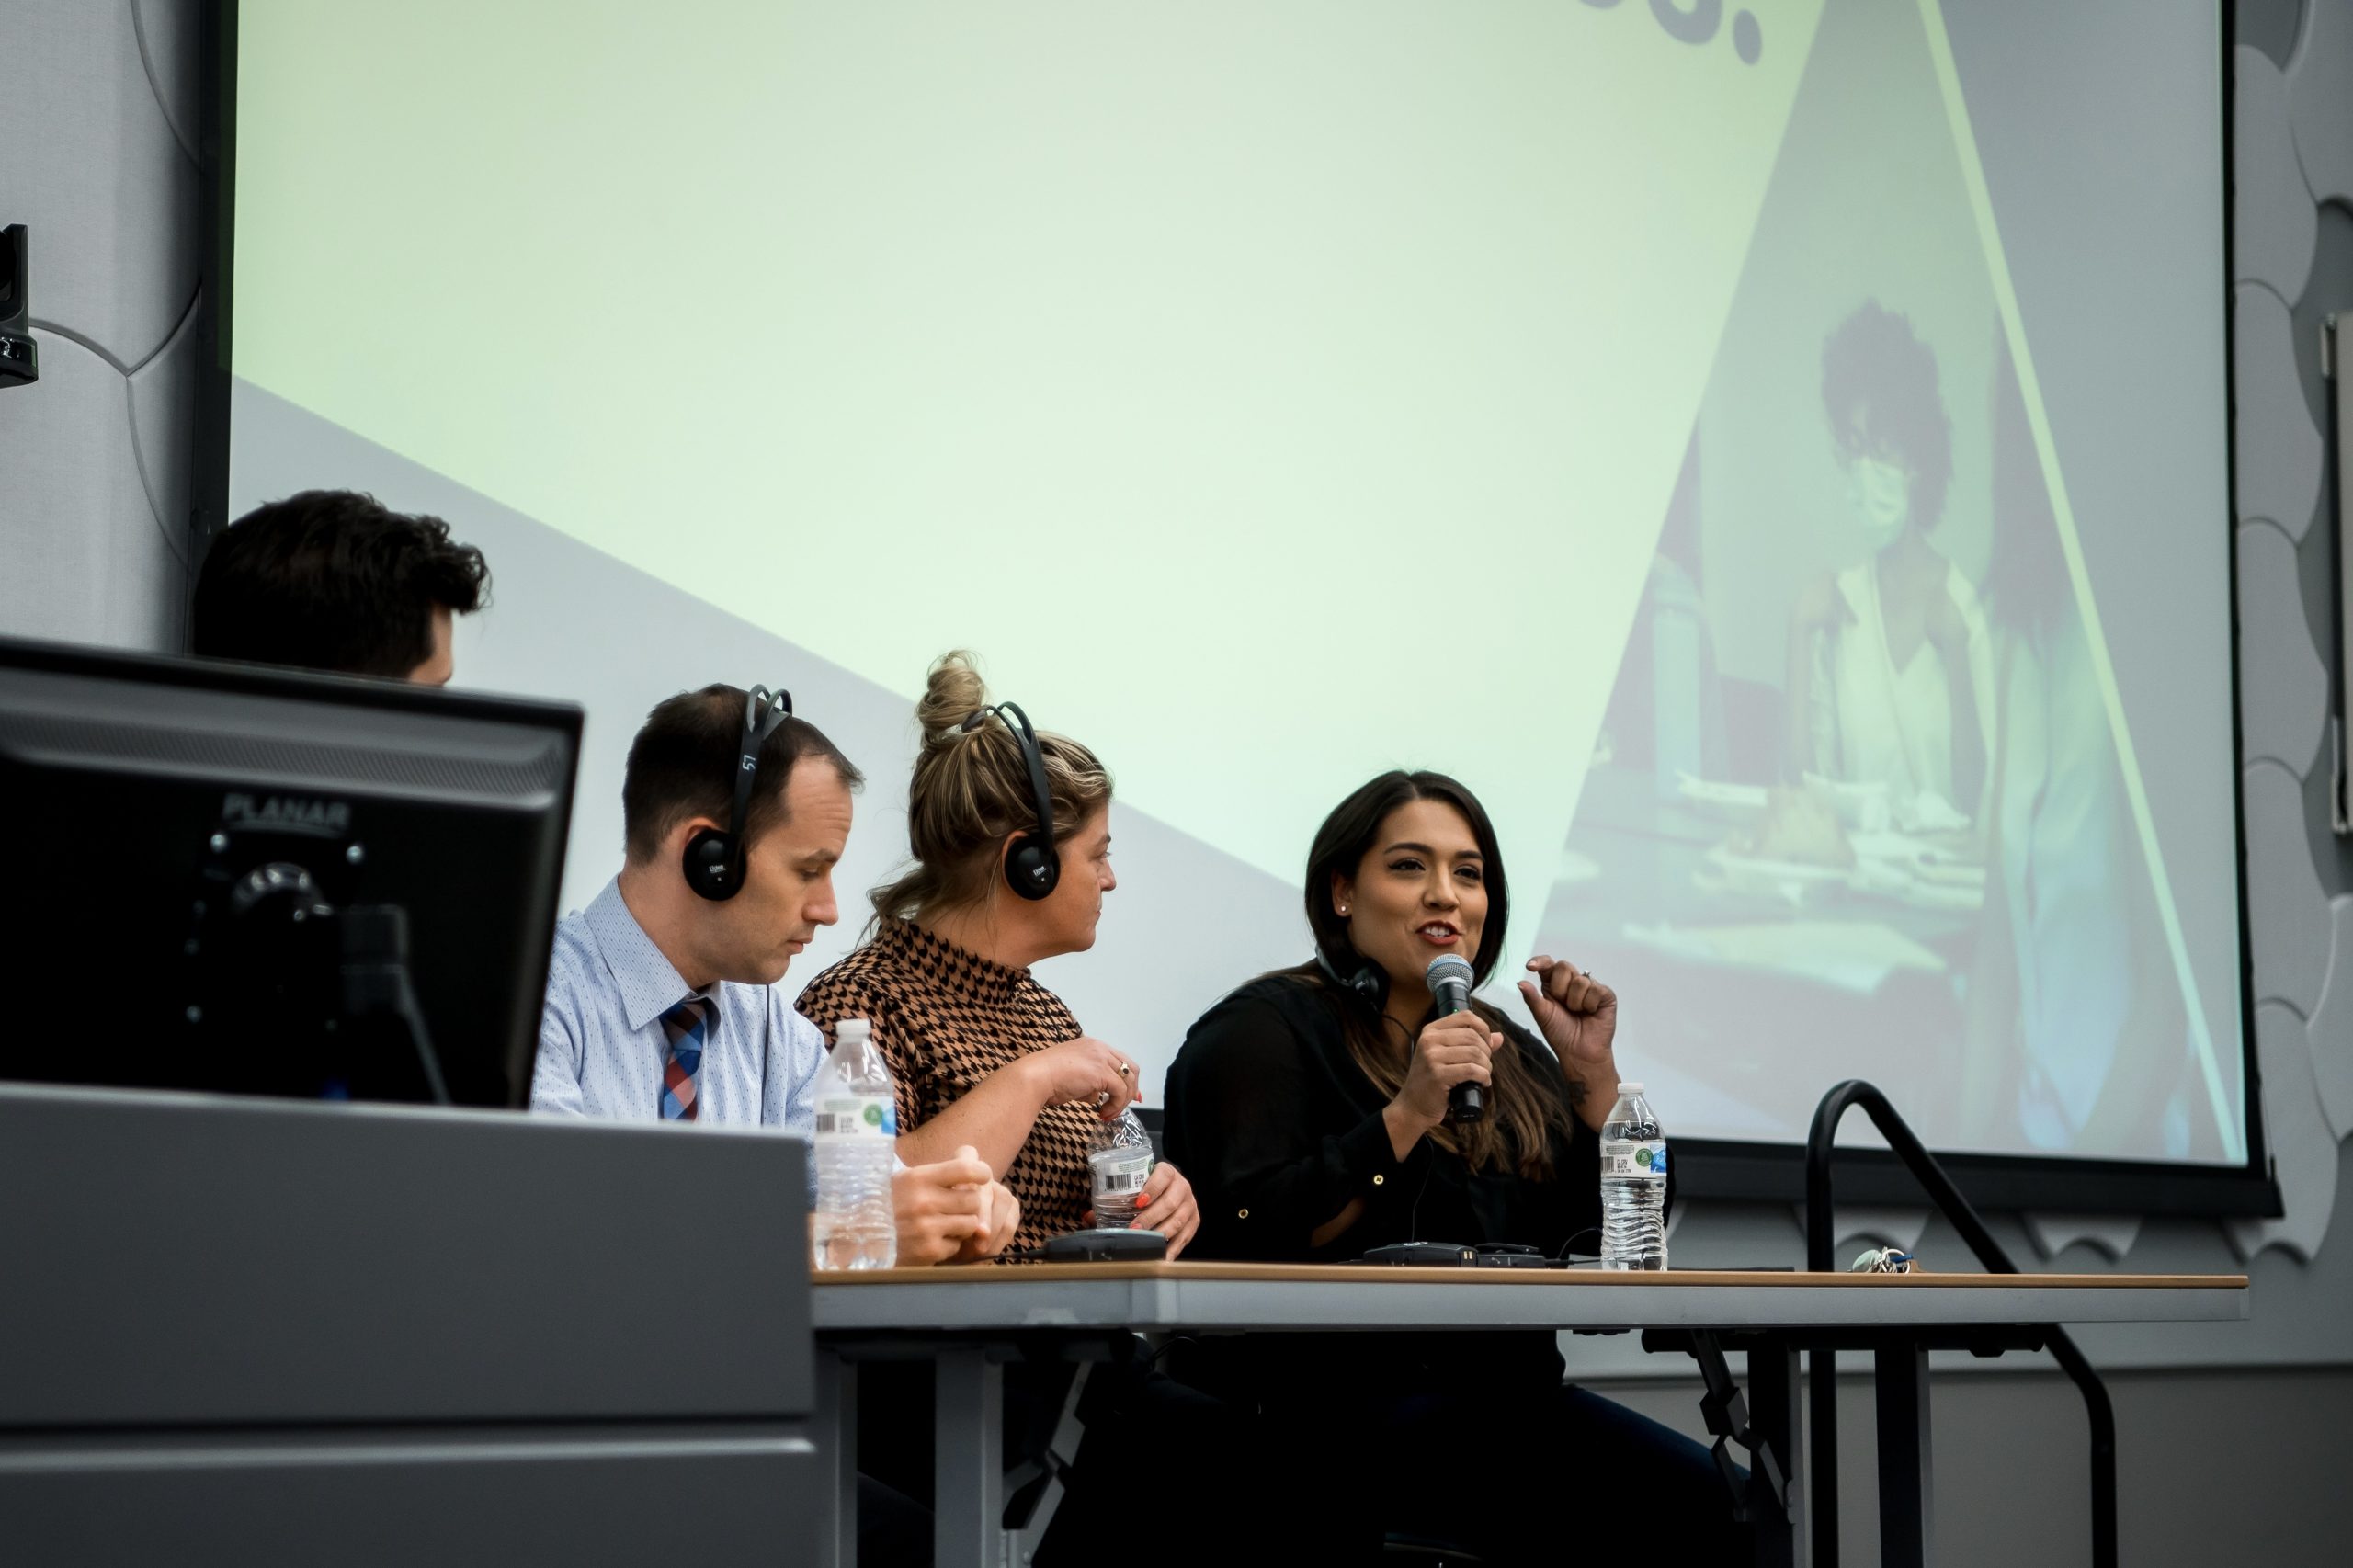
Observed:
{"x":1466,"y":1103}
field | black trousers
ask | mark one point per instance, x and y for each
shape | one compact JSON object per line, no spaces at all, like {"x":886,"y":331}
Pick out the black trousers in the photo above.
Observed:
{"x":1552,"y":1476}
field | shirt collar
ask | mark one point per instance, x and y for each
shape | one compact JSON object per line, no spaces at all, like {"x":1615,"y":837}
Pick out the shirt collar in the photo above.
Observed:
{"x":648,"y":984}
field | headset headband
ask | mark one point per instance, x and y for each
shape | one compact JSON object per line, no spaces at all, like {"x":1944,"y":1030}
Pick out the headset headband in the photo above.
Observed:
{"x":764,"y":713}
{"x":1032,"y":757}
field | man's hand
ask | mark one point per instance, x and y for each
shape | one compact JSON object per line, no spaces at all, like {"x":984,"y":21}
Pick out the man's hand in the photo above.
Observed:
{"x":941,"y":1209}
{"x":1004,"y":1213}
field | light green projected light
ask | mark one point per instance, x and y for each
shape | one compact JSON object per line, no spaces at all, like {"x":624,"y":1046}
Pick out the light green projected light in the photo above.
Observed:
{"x":1183,"y":381}
{"x":1272,"y":395}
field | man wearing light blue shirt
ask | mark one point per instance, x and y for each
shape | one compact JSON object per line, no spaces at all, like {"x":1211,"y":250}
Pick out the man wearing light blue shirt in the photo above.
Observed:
{"x":602,"y":1043}
{"x":662,"y":999}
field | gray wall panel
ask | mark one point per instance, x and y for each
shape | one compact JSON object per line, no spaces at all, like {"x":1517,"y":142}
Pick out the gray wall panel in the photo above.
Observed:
{"x":2284,"y":718}
{"x":94,"y":543}
{"x":2271,"y":211}
{"x":87,"y":559}
{"x":2214,"y":1469}
{"x":89,"y":160}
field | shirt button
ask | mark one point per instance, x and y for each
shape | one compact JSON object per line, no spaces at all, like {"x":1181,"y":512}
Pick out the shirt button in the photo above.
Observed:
{"x":1378,"y":1180}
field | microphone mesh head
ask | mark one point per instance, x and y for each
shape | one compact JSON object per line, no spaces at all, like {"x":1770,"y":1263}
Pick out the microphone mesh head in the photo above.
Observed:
{"x":1446,"y":967}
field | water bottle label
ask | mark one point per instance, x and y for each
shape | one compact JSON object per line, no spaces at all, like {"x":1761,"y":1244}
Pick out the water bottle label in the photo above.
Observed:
{"x":858,"y":1115}
{"x":1629,"y":1159}
{"x":1118,"y":1173}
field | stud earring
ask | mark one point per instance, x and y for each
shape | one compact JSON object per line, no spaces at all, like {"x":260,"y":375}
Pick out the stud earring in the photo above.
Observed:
{"x":1344,"y":911}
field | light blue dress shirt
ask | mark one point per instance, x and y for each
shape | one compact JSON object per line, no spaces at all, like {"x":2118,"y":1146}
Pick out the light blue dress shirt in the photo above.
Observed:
{"x":601,"y":1042}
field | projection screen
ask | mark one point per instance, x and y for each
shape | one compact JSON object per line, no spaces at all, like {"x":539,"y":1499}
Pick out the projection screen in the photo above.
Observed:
{"x":1776,"y":455}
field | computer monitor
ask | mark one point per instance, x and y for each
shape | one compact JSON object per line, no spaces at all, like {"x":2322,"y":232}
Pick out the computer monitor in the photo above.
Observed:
{"x":211,"y":867}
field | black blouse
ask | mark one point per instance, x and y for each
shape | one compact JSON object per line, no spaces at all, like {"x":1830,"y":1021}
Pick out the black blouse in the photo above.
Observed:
{"x":1280,"y":1129}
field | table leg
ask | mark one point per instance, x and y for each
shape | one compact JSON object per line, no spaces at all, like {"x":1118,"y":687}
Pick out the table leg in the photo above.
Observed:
{"x":836,"y":1530}
{"x":1773,"y":1417}
{"x":1901,"y":1372}
{"x":968,"y":1519}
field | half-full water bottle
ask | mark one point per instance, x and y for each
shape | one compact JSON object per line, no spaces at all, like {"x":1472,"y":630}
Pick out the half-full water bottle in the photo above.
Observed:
{"x":858,"y":1127}
{"x":1121,"y":1163}
{"x":1633,"y":1184}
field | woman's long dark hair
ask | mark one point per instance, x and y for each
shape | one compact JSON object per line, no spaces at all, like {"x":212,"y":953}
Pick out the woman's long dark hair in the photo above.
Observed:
{"x":1523,"y":1115}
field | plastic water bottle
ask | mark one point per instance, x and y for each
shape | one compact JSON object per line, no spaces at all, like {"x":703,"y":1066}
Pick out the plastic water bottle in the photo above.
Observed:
{"x":1633,"y":1184}
{"x":857,"y":1129}
{"x":1121,"y":1163}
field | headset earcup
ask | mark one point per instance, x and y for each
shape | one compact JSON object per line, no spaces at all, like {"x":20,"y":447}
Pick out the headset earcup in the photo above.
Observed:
{"x":709,"y":864}
{"x":1031,"y":870}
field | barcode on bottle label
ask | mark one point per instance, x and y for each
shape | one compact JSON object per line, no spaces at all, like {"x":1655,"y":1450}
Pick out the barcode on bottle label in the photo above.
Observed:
{"x":1118,"y":1175}
{"x":1633,"y":1159}
{"x":878,"y":1117}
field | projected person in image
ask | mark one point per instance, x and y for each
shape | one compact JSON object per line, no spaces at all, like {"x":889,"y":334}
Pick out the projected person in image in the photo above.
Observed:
{"x":2072,"y":967}
{"x":984,"y":1055}
{"x":1887,"y":657}
{"x":335,"y":581}
{"x":1310,"y":1105}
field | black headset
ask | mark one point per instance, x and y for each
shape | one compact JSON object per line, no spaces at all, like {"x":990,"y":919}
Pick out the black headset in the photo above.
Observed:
{"x":1031,"y":866}
{"x":1369,"y":982}
{"x":714,"y":858}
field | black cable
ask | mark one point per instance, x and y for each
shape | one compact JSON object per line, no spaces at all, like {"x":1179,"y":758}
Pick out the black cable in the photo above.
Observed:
{"x":1413,"y":1215}
{"x":1562,"y":1255}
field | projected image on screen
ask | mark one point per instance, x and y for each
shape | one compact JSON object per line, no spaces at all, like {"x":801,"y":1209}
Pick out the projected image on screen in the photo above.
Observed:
{"x":1859,"y":767}
{"x":1756,"y":449}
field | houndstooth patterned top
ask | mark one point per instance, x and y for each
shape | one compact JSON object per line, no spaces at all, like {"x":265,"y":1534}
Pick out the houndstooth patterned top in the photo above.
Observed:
{"x":945,"y":1020}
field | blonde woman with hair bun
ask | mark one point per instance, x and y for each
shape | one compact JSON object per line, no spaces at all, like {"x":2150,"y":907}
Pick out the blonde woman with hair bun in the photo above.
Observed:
{"x":985,"y":1056}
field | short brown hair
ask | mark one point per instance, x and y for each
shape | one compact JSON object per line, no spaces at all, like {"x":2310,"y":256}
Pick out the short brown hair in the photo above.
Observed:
{"x":333,"y":580}
{"x":682,"y":766}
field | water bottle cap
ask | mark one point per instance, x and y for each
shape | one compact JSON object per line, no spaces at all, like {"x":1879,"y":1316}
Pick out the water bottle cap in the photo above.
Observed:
{"x":852,"y":1031}
{"x":1630,"y":1089}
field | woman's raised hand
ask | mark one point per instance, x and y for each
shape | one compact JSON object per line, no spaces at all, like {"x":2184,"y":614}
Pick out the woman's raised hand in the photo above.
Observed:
{"x":1087,"y":1072}
{"x":1453,"y":1050}
{"x":1577,"y":1012}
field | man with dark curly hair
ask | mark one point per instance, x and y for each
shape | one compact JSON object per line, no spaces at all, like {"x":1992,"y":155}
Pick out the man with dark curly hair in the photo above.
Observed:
{"x":1889,"y":662}
{"x":333,"y":580}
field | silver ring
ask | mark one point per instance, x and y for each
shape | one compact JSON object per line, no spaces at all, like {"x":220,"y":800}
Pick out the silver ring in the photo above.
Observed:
{"x":1126,"y":1068}
{"x":1102,"y":1098}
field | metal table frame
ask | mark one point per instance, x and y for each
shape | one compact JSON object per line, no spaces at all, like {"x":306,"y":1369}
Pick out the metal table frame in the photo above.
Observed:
{"x":970,"y":1322}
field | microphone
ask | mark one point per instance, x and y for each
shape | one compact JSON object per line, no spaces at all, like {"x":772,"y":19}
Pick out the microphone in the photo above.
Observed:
{"x":1449,"y":983}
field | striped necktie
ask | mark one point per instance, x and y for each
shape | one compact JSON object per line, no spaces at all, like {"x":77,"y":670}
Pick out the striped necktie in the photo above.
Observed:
{"x":687,"y":1026}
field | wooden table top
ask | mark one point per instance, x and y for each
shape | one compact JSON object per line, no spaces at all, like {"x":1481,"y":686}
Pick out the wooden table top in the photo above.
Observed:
{"x":1380,"y":1274}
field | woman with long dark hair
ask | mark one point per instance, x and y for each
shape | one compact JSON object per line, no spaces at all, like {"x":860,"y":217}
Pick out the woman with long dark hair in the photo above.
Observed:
{"x":1309,"y":1108}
